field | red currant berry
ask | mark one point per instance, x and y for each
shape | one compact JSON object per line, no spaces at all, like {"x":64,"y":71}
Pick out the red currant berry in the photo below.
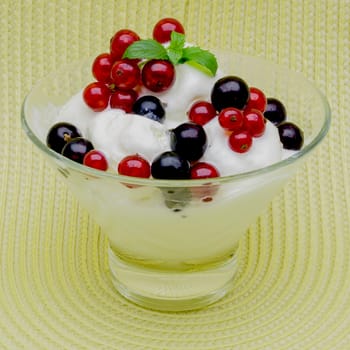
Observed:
{"x":123,"y":99}
{"x":158,"y":75}
{"x":203,"y":170}
{"x":95,"y":159}
{"x":163,"y":28}
{"x":125,"y":74}
{"x":101,"y":68}
{"x":134,"y":165}
{"x":240,"y":142}
{"x":257,"y":99}
{"x":231,"y":119}
{"x":96,"y":96}
{"x":201,"y":112}
{"x":121,"y":41}
{"x":254,"y":122}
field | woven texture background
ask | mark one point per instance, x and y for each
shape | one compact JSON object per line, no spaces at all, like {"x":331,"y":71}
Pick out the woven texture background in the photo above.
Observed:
{"x":293,"y":285}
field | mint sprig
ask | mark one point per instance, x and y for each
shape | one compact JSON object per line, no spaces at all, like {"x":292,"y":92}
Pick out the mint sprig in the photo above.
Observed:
{"x":175,"y":52}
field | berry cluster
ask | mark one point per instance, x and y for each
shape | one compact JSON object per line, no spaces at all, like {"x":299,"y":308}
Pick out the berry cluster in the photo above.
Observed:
{"x":131,"y":64}
{"x":239,"y":110}
{"x":66,"y":139}
{"x":188,"y":142}
{"x":119,"y":79}
{"x":242,"y":111}
{"x":291,"y":136}
{"x":117,"y":85}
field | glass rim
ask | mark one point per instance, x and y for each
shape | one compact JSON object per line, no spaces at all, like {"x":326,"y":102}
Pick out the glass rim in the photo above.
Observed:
{"x":306,"y":149}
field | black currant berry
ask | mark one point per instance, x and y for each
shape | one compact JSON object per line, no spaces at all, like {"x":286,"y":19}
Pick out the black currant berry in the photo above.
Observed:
{"x":189,"y":140}
{"x":151,"y":107}
{"x":229,"y":91}
{"x":59,"y":134}
{"x":291,"y":136}
{"x":77,"y":148}
{"x":275,"y":111}
{"x":170,"y":165}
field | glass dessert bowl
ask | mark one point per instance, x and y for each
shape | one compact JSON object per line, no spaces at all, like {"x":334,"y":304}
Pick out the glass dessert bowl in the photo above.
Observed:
{"x":173,"y":243}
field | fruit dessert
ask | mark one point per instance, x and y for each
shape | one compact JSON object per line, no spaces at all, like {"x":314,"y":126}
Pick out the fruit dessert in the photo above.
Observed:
{"x":162,"y":108}
{"x":166,"y":127}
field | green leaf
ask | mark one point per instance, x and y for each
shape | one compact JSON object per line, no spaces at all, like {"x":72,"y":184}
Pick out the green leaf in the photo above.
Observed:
{"x":200,"y":57}
{"x":146,"y":49}
{"x":177,"y":42}
{"x":174,"y":56}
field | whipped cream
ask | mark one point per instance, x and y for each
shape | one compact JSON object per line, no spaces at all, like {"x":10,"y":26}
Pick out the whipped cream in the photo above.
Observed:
{"x":265,"y":150}
{"x":118,"y":134}
{"x":190,"y":85}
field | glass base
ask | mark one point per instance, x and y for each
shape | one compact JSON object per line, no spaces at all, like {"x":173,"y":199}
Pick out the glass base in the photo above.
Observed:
{"x":172,"y":290}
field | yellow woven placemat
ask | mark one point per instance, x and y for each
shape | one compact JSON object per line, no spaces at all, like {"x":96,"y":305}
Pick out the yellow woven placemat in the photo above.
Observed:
{"x":293,"y":284}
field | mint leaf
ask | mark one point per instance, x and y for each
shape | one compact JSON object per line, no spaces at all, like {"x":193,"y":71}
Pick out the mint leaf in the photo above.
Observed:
{"x":174,"y":56}
{"x":200,"y":57}
{"x":147,"y":49}
{"x":177,"y":42}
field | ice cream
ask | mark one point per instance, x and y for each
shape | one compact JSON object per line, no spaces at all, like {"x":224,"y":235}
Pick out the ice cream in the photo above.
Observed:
{"x":146,"y":89}
{"x":265,"y":151}
{"x":190,"y":85}
{"x":114,"y":132}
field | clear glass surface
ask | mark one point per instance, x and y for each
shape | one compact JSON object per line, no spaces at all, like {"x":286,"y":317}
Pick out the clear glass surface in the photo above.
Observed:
{"x":173,"y":244}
